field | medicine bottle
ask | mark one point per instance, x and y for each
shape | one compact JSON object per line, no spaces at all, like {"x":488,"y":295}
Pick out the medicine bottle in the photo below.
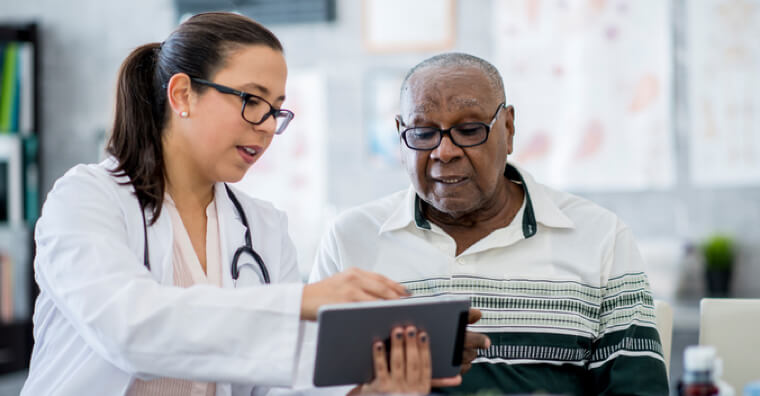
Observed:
{"x":698,"y":374}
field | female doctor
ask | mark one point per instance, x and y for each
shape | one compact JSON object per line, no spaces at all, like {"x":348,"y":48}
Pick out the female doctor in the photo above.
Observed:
{"x":149,"y":263}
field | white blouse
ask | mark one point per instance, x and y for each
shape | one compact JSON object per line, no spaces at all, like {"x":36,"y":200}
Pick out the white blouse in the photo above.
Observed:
{"x":187,"y":272}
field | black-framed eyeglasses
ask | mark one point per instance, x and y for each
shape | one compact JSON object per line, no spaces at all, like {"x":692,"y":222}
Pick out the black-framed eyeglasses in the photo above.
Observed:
{"x":467,"y":134}
{"x":255,"y":109}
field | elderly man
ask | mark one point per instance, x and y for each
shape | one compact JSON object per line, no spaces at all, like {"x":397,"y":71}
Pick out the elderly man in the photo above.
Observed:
{"x":559,"y":279}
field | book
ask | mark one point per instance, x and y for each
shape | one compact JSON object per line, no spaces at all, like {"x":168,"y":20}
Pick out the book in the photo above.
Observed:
{"x":25,"y":114}
{"x":8,"y":88}
{"x":31,"y":178}
{"x":11,"y":190}
{"x":6,"y":288}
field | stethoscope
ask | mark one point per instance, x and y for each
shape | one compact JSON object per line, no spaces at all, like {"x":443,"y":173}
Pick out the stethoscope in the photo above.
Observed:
{"x":248,"y":248}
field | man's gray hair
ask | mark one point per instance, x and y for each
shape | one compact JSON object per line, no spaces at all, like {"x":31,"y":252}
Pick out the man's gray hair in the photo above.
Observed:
{"x":458,"y":59}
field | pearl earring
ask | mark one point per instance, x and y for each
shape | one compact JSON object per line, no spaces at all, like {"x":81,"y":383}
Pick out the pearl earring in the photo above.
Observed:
{"x":183,"y":114}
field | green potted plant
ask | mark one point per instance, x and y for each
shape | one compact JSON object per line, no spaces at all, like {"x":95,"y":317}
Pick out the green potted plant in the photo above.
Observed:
{"x":719,"y":254}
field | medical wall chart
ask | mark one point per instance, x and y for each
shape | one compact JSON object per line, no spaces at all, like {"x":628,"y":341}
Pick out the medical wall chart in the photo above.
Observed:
{"x":723,"y":101}
{"x":591,"y":84}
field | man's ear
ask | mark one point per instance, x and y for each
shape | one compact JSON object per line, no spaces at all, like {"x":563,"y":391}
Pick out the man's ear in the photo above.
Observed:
{"x":179,"y":93}
{"x":509,"y":123}
{"x":400,"y":143}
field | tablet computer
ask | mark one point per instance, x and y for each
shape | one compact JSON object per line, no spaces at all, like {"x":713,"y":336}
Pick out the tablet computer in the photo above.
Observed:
{"x":347,"y":331}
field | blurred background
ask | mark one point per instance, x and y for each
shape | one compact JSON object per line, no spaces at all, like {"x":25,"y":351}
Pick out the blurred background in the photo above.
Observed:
{"x":647,"y":107}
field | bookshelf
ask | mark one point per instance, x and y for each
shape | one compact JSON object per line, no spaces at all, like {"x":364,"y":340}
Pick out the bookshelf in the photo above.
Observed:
{"x":20,"y":196}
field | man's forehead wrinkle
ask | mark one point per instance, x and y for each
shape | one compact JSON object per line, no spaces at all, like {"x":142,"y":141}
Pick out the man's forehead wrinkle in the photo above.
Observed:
{"x":423,"y":98}
{"x":453,"y":103}
{"x":428,"y":104}
{"x":425,"y":107}
{"x":463,"y":103}
{"x":425,"y":93}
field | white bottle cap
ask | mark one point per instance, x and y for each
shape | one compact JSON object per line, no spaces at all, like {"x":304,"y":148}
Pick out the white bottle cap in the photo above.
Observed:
{"x":699,"y":358}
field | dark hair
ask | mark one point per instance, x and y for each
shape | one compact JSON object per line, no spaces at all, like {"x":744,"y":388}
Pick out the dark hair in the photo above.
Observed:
{"x":458,"y":59}
{"x":198,"y":47}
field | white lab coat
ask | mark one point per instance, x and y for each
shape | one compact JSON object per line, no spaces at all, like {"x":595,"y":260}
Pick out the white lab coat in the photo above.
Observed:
{"x":102,"y":319}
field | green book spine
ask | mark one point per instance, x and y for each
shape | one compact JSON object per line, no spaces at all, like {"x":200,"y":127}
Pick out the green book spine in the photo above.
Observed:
{"x":3,"y":44}
{"x":8,"y":89}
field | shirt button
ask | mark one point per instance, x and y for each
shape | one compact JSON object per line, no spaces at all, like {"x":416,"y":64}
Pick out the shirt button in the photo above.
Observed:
{"x":461,"y":261}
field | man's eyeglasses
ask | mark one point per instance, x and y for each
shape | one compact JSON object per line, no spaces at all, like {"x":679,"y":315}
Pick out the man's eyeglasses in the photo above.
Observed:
{"x":467,"y":134}
{"x":255,"y":109}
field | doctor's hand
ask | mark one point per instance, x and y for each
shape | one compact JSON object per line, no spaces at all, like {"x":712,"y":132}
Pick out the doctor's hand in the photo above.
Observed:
{"x":351,"y":285}
{"x":409,"y":370}
{"x":472,"y":342}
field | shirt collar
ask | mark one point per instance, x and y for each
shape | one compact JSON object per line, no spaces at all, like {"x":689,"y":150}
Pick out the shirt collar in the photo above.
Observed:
{"x":404,"y":213}
{"x":539,"y":207}
{"x":543,"y":207}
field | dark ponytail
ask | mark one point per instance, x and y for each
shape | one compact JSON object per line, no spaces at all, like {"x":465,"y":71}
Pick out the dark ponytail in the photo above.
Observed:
{"x":136,"y":137}
{"x":198,"y":47}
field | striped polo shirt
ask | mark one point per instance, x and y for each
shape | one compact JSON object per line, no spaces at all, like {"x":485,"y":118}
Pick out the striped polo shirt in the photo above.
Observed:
{"x":563,"y":295}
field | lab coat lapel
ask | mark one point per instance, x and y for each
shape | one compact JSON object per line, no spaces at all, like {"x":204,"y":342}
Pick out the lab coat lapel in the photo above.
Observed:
{"x":231,"y":232}
{"x":160,"y":234}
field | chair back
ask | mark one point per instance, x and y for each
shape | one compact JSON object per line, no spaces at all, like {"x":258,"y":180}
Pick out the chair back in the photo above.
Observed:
{"x":732,"y":326}
{"x":664,"y":314}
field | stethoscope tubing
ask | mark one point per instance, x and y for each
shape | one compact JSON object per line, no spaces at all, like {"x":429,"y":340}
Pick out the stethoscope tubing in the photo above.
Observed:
{"x":247,"y":248}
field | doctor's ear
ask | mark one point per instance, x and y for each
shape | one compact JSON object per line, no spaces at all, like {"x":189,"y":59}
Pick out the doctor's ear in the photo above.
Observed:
{"x":179,"y":92}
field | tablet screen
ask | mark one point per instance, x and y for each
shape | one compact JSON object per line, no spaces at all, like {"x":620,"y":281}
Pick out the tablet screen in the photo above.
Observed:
{"x":347,"y":331}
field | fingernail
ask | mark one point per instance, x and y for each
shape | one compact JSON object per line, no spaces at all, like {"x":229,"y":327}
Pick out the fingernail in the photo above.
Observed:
{"x":378,"y":346}
{"x":412,"y":333}
{"x":399,"y":335}
{"x":423,"y":338}
{"x":407,"y":291}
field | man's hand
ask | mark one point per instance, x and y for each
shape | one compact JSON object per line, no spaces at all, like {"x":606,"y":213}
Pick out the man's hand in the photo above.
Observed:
{"x":351,"y":285}
{"x":472,"y":342}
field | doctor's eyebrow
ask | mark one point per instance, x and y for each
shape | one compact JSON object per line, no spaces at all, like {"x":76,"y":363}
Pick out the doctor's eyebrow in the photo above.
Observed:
{"x":264,"y":90}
